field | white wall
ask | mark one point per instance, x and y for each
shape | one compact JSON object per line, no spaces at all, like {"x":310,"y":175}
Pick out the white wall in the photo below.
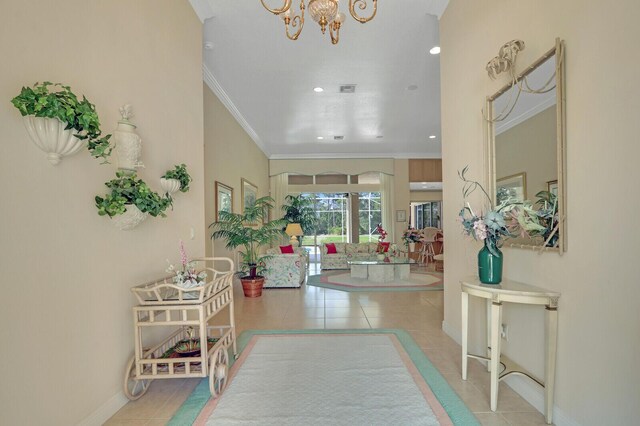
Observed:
{"x":66,"y":323}
{"x":230,"y":155}
{"x":599,"y":334}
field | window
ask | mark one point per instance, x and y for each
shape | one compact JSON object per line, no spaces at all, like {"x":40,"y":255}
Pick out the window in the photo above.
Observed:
{"x":369,"y":215}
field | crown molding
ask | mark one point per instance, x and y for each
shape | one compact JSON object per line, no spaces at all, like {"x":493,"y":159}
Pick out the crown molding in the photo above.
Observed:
{"x":326,"y":156}
{"x":217,"y":89}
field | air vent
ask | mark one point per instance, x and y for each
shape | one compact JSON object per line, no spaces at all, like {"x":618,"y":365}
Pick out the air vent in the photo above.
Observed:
{"x":348,"y":88}
{"x":338,"y":138}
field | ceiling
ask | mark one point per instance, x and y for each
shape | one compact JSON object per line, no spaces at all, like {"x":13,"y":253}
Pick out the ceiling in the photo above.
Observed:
{"x":266,"y":81}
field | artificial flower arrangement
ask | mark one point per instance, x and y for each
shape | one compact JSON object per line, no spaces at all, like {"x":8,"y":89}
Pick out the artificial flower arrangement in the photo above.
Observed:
{"x":526,"y":219}
{"x":382,"y":234}
{"x":489,"y":227}
{"x":188,"y":277}
{"x":411,"y":235}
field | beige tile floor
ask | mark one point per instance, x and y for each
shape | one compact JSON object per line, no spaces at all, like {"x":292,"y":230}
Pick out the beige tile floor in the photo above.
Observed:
{"x":419,"y":313}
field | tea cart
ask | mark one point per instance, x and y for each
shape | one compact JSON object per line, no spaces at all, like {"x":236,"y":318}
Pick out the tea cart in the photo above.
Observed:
{"x":193,"y":348}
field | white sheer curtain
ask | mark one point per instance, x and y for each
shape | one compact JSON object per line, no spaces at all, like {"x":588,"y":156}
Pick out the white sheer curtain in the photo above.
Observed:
{"x":279,"y":190}
{"x":386,"y":201}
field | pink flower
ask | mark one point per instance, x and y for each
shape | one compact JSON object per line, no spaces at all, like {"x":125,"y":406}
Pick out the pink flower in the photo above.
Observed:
{"x":183,"y":255}
{"x":480,"y":229}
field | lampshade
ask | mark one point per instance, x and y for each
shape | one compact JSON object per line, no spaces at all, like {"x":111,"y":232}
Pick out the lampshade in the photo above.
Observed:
{"x":293,"y":230}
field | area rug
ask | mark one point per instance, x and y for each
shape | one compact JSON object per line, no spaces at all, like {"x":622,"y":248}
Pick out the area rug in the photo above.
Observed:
{"x":341,"y":280}
{"x":321,"y":377}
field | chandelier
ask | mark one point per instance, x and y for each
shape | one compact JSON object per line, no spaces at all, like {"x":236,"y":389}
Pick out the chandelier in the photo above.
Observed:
{"x":325,"y":12}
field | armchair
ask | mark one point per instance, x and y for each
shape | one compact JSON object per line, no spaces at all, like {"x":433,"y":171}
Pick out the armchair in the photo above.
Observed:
{"x":285,"y":270}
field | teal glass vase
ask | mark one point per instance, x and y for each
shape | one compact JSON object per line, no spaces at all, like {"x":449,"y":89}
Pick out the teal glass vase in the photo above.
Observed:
{"x":490,"y":265}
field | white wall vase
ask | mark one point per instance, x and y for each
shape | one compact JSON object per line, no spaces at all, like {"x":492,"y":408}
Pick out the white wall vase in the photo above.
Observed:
{"x":128,"y":145}
{"x":131,"y":218}
{"x":170,"y":186}
{"x":50,"y":136}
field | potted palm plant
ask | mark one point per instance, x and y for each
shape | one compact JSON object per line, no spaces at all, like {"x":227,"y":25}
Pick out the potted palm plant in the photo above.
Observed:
{"x":242,"y":230}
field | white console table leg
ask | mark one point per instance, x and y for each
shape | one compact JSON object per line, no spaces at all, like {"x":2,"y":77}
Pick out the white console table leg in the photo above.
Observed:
{"x":551,"y":324}
{"x":488,"y":325}
{"x":465,"y":333}
{"x":496,"y":319}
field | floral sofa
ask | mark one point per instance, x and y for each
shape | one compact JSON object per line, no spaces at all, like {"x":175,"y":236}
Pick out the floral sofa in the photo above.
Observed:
{"x":285,"y":270}
{"x":345,"y":252}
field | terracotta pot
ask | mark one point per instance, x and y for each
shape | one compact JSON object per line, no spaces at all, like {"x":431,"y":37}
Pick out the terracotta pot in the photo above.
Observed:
{"x":252,"y":287}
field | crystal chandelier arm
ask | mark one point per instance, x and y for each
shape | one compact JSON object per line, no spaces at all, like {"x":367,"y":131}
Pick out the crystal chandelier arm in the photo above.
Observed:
{"x":297,"y":20}
{"x":362,"y":5}
{"x":284,"y":8}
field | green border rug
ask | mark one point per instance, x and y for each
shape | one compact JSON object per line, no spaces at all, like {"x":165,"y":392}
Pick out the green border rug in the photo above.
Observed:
{"x":321,"y":281}
{"x":455,"y":408}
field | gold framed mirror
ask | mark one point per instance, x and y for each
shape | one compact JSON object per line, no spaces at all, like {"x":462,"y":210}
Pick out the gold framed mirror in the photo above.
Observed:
{"x":525,"y":136}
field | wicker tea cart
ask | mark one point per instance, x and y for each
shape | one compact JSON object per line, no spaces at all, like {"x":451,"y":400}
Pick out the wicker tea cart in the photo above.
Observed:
{"x":193,"y":348}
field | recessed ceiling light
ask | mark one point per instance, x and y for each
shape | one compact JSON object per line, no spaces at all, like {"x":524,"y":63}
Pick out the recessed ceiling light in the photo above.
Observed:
{"x":434,"y":50}
{"x":318,"y":89}
{"x":412,"y":87}
{"x":320,"y":137}
{"x":432,"y":137}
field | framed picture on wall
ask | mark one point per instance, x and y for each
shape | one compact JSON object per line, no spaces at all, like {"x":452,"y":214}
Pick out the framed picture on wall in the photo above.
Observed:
{"x":552,"y":187}
{"x":512,"y":188}
{"x":249,"y":194}
{"x":224,"y":199}
{"x":401,"y":215}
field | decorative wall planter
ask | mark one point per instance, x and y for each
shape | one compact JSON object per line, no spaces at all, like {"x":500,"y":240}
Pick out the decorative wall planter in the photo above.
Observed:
{"x":170,"y":186}
{"x":129,"y":219}
{"x":128,"y":145}
{"x":50,"y":136}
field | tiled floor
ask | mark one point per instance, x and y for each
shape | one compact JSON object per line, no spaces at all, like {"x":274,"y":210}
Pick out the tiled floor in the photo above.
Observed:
{"x":420,"y":313}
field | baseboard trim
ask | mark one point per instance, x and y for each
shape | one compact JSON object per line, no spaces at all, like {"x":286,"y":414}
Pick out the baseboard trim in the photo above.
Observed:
{"x":534,"y":395}
{"x":529,"y":391}
{"x":105,"y":411}
{"x":453,"y":332}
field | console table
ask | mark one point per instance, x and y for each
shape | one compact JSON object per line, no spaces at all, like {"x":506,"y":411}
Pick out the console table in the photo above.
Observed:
{"x":511,"y":292}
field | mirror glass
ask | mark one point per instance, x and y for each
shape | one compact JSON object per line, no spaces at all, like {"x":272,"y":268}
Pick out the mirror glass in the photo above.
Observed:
{"x":526,"y":142}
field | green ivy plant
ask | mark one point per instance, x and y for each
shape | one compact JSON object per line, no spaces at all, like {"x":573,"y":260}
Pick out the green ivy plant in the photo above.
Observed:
{"x":180,"y":174}
{"x":64,"y":105}
{"x":129,"y":190}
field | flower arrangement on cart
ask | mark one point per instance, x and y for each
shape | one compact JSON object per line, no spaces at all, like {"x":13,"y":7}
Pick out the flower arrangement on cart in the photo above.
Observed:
{"x":188,"y":276}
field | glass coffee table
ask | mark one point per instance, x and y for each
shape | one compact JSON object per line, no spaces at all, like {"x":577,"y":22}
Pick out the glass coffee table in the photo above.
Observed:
{"x":381,"y":271}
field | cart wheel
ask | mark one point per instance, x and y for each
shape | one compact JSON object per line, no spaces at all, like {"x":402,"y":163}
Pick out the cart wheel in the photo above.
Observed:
{"x":134,"y":388}
{"x":218,"y":372}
